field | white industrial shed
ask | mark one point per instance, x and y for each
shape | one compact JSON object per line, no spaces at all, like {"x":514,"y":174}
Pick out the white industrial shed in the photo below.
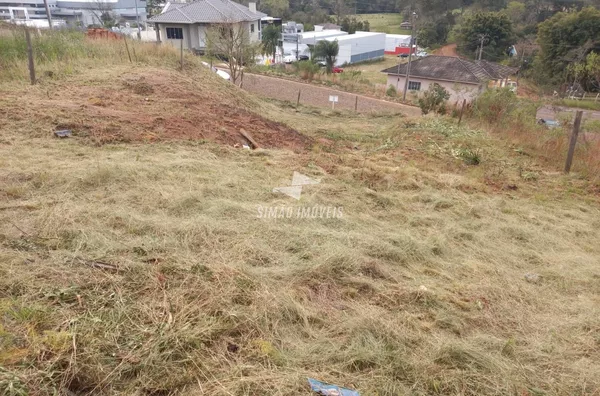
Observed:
{"x":359,"y":47}
{"x":313,"y":37}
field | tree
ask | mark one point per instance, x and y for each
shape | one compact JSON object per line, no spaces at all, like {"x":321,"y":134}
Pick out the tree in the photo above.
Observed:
{"x":435,"y":31}
{"x":515,"y":10}
{"x":276,"y":8}
{"x":352,"y":24}
{"x":327,"y":50}
{"x":230,"y":41}
{"x":493,"y":27}
{"x":564,"y":39}
{"x":103,"y":13}
{"x":270,"y":40}
{"x":587,"y":72}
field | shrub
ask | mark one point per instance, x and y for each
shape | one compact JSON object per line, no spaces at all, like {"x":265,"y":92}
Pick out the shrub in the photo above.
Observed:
{"x":496,"y":105}
{"x":391,"y":91}
{"x":307,"y":69}
{"x":469,"y":156}
{"x":434,"y":99}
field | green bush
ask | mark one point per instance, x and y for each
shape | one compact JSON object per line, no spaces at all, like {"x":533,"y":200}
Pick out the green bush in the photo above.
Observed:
{"x":434,"y":99}
{"x":307,"y":69}
{"x":391,"y":91}
{"x":497,"y":105}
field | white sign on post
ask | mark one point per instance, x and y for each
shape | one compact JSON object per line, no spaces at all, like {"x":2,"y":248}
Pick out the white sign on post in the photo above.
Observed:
{"x":333,"y":99}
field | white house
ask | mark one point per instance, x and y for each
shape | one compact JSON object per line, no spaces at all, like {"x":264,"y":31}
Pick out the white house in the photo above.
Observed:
{"x":462,"y":78}
{"x":188,"y":22}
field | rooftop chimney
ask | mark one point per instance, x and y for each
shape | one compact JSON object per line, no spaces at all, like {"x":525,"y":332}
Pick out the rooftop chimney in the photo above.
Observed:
{"x":252,"y":7}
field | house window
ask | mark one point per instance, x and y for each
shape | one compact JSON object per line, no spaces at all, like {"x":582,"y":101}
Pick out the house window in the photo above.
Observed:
{"x":252,"y":28}
{"x":414,"y":86}
{"x":175,"y":33}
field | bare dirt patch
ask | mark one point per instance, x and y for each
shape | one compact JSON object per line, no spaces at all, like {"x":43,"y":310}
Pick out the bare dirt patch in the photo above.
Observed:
{"x":447,"y":50}
{"x":148,"y":106}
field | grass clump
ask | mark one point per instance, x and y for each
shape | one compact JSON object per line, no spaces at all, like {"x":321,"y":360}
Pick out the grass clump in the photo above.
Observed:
{"x":64,"y":52}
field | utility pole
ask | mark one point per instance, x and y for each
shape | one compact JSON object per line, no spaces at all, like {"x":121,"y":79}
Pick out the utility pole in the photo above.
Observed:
{"x":482,"y":38}
{"x":48,"y":15}
{"x":410,"y":54}
{"x":137,"y":20}
{"x":398,"y":73}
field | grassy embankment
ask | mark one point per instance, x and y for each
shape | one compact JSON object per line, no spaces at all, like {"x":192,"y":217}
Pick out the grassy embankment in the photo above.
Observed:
{"x":385,"y":23}
{"x":138,"y":268}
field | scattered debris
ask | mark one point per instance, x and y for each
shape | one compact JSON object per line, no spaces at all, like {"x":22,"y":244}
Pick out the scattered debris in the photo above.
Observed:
{"x":246,"y":147}
{"x":249,"y":138}
{"x":63,"y":133}
{"x":533,"y":278}
{"x":423,"y":288}
{"x":330,"y":390}
{"x":99,"y":264}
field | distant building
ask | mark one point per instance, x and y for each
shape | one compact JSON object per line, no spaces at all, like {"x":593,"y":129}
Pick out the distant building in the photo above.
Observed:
{"x":312,"y":38}
{"x":406,"y":25}
{"x":187,"y":23}
{"x":291,"y":31}
{"x":462,"y":78}
{"x":327,"y":26}
{"x":74,"y":12}
{"x":396,"y":44}
{"x":359,"y":47}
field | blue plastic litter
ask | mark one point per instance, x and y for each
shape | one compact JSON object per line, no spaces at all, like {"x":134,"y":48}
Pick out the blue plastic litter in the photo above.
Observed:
{"x":330,"y":390}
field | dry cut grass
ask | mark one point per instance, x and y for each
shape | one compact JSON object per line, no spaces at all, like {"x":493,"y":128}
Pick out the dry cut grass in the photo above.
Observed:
{"x":144,"y":269}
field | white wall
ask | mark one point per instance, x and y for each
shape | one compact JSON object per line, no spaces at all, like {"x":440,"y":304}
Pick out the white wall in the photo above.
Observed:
{"x":195,"y":35}
{"x":458,"y":91}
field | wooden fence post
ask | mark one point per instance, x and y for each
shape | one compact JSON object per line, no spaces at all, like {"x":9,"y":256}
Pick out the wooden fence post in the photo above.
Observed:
{"x":573,"y":142}
{"x":356,"y":104}
{"x":462,"y":110}
{"x":30,"y":56}
{"x":127,"y":47}
{"x":298,"y":101}
{"x":181,"y":53}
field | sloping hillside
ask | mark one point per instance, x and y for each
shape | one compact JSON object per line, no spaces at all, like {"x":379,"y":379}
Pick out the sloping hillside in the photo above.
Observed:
{"x":136,"y":257}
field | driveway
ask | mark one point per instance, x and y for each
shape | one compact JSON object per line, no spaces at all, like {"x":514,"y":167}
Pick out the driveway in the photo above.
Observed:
{"x":282,"y":89}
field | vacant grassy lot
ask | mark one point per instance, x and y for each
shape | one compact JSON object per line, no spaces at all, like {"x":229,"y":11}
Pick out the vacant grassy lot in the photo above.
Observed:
{"x":371,"y":71}
{"x":138,"y":264}
{"x":385,"y":23}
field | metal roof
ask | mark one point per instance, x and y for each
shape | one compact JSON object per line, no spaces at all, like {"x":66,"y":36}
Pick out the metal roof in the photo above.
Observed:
{"x":452,"y":68}
{"x":208,"y":11}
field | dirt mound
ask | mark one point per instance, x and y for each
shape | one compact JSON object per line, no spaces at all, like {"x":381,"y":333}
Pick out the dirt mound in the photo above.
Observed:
{"x":156,"y":105}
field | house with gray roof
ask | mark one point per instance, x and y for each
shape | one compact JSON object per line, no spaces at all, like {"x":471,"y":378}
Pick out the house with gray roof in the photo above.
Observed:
{"x":462,"y":78}
{"x":188,"y":22}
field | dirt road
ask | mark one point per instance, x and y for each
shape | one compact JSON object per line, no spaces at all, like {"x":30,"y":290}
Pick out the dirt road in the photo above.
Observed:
{"x":313,"y":95}
{"x":447,"y":50}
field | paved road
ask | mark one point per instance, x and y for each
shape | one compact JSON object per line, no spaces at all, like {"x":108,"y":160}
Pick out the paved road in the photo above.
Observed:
{"x":313,"y":95}
{"x":551,"y":112}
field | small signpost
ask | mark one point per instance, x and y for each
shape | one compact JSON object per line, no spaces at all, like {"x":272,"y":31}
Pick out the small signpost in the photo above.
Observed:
{"x":333,"y":99}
